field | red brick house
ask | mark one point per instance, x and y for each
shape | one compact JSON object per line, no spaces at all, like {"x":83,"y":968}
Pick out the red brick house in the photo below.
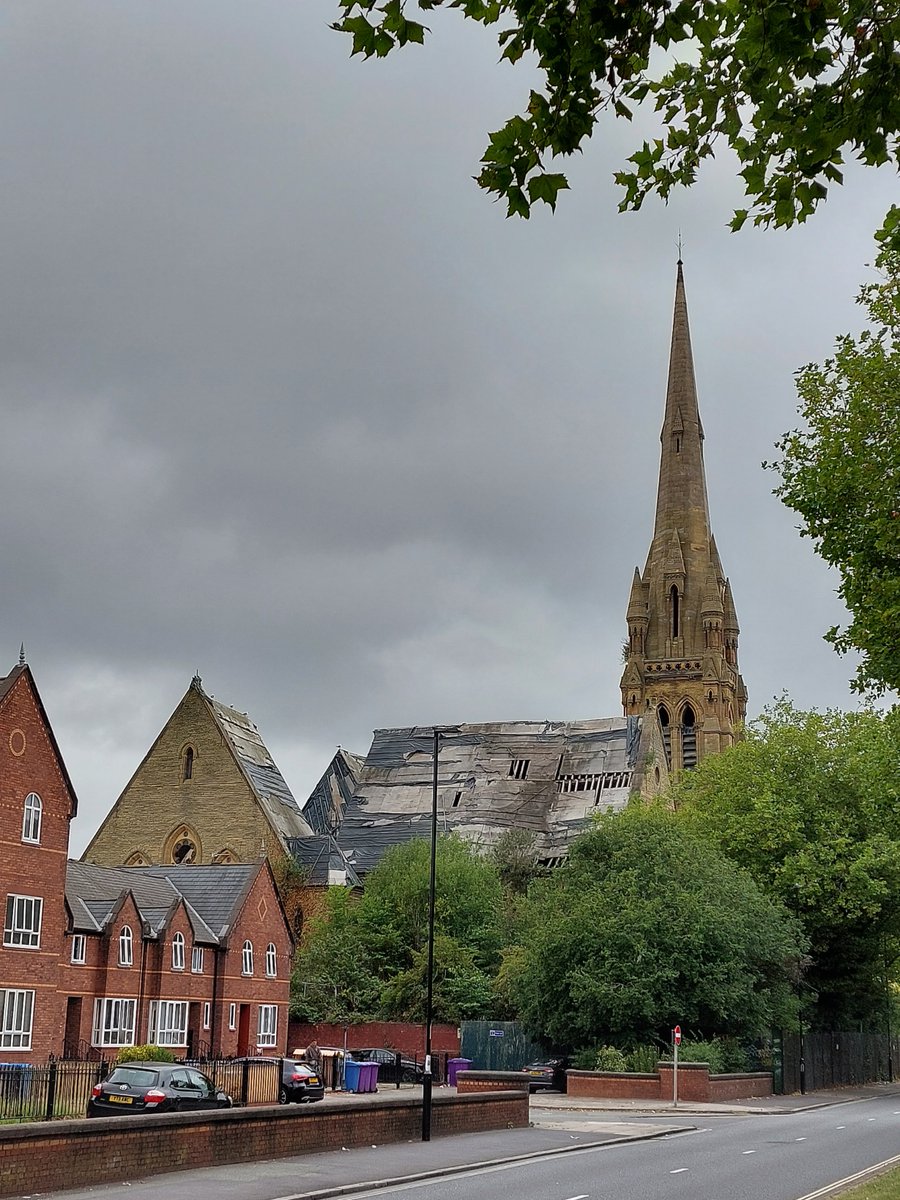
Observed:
{"x":196,"y":958}
{"x":37,"y":803}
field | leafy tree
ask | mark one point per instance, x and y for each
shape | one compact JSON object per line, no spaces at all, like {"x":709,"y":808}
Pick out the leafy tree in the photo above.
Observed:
{"x":367,"y":957}
{"x":808,"y":804}
{"x":647,"y":926}
{"x":790,"y":87}
{"x":842,"y":473}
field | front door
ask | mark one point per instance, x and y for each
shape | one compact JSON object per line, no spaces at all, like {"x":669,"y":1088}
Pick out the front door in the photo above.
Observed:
{"x":244,"y":1031}
{"x":73,"y":1027}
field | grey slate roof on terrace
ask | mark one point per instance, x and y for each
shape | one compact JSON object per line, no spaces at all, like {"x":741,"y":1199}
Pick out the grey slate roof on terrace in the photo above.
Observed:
{"x":545,"y":777}
{"x":212,"y":895}
{"x":268,"y":784}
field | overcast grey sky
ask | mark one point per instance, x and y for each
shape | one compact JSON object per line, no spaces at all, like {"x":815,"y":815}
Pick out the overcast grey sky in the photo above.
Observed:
{"x":288,"y":401}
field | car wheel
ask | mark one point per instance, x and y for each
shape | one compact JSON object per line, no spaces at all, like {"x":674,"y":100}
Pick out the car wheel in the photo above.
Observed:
{"x":284,"y":1096}
{"x":407,"y":1076}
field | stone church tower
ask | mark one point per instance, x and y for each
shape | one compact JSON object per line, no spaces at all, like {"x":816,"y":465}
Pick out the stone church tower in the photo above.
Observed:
{"x":682,"y":648}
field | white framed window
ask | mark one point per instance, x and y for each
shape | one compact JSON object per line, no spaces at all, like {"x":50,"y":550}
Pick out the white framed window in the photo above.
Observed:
{"x":168,"y":1022}
{"x":23,"y":921}
{"x":247,"y":959}
{"x":113,"y":1022}
{"x":267,"y":1029}
{"x":16,"y":1013}
{"x":271,"y":961}
{"x":178,"y":952}
{"x":232,"y":1016}
{"x":207,"y":1015}
{"x":126,"y":949}
{"x":79,"y":948}
{"x":31,"y":818}
{"x":197,"y":960}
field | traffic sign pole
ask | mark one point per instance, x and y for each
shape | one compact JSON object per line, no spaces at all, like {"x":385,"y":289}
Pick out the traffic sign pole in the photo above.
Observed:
{"x":676,"y":1042}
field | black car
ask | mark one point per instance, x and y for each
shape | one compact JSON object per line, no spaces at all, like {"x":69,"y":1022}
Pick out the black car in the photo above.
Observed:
{"x":389,"y":1071}
{"x":152,"y":1087}
{"x":300,"y":1082}
{"x":547,"y":1074}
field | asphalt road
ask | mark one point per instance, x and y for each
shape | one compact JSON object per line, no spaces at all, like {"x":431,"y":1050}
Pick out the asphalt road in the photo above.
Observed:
{"x":771,"y":1157}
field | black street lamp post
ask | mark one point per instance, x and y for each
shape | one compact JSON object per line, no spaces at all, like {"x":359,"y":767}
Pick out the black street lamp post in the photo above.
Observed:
{"x":428,"y":1078}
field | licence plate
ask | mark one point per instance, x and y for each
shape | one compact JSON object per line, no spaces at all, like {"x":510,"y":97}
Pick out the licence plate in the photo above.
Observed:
{"x":120,"y":1099}
{"x":314,"y":1080}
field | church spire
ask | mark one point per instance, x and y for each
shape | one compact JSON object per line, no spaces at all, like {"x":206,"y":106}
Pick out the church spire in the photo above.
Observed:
{"x":686,"y":670}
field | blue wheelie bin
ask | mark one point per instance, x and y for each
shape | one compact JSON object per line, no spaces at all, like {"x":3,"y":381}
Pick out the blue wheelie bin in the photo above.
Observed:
{"x":352,"y":1073}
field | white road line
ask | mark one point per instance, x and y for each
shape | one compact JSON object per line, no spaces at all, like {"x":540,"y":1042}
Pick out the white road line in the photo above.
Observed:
{"x":840,"y":1184}
{"x":748,"y":1152}
{"x":840,"y":1126}
{"x":803,"y":1139}
{"x":870,"y":1118}
{"x":583,"y":1196}
{"x":679,"y":1171}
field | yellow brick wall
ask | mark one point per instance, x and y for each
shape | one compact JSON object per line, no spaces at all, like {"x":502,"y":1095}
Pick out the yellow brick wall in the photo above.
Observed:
{"x":216,"y":805}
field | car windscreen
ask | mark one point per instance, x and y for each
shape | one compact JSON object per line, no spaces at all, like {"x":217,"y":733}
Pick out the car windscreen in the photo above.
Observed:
{"x":134,"y":1076}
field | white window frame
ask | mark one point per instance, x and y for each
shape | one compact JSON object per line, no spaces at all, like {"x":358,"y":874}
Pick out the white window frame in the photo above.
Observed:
{"x":22,"y":927}
{"x":168,"y":1024}
{"x":232,"y":1016}
{"x":114,"y":1020}
{"x":197,"y":960}
{"x":126,"y":948}
{"x":178,"y":952}
{"x":247,"y":958}
{"x":79,"y":949}
{"x":267,"y":1025}
{"x":31,"y":818}
{"x":16,"y":1018}
{"x":271,"y":961}
{"x":207,"y":1014}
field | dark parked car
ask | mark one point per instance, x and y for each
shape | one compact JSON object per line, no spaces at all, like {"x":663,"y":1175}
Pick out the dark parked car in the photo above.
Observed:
{"x":549,"y":1073}
{"x":409,"y":1070}
{"x":300,"y":1081}
{"x":151,"y":1087}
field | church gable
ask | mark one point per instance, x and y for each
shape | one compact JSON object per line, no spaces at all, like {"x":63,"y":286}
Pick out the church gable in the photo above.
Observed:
{"x":189,"y":801}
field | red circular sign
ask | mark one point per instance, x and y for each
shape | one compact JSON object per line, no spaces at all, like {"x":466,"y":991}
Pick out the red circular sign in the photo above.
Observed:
{"x":676,"y":1033}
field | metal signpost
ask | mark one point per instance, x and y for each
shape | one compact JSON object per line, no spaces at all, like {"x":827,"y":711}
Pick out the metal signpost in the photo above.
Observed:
{"x":676,"y":1042}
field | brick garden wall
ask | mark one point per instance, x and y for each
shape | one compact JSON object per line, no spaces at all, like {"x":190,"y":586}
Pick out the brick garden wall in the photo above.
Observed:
{"x":694,"y":1083}
{"x":69,"y":1154}
{"x":404,"y":1036}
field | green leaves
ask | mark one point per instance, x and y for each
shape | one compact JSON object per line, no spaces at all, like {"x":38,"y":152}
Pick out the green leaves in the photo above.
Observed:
{"x":789,"y":85}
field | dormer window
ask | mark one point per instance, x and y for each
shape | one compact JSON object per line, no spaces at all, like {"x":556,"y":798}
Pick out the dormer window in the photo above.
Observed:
{"x":187,"y":763}
{"x":31,"y":818}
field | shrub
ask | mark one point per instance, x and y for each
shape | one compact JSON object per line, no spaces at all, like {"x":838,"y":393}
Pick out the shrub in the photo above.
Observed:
{"x":703,"y":1052}
{"x":609,"y":1058}
{"x":643,"y":1059}
{"x":144,"y":1054}
{"x":585,"y":1059}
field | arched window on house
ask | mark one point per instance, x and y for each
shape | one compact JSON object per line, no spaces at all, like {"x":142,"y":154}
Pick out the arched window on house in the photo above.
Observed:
{"x":31,"y":818}
{"x":178,"y":952}
{"x":271,"y":961}
{"x":247,"y":959}
{"x":126,"y":947}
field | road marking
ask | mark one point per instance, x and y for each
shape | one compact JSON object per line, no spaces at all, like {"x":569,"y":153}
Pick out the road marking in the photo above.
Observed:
{"x":803,"y":1139}
{"x":840,"y":1184}
{"x":870,"y":1118}
{"x":583,"y":1196}
{"x":840,"y":1126}
{"x":748,"y":1151}
{"x":679,"y":1171}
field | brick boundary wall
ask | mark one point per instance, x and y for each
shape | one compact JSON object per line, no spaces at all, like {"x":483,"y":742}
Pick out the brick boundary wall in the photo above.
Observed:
{"x":404,"y":1036}
{"x":694,"y":1083}
{"x":47,"y":1157}
{"x":470,"y":1082}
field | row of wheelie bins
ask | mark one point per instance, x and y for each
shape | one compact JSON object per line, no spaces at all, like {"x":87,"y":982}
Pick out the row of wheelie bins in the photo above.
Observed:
{"x":363,"y":1076}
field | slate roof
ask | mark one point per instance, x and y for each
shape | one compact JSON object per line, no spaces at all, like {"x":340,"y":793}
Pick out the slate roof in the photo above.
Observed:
{"x":324,"y":810}
{"x":323,"y":861}
{"x":573,"y":769}
{"x":258,"y":766}
{"x":212,"y":895}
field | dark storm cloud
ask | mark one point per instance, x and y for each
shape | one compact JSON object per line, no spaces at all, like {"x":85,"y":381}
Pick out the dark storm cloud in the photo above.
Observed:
{"x":285,"y":399}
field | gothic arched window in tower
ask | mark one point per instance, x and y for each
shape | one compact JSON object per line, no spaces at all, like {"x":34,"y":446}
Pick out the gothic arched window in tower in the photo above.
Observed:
{"x":688,"y":738}
{"x":187,"y":763}
{"x":666,"y":733}
{"x":674,"y":598}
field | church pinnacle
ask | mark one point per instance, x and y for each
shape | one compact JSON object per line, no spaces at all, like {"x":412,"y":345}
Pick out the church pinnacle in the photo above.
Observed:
{"x":681,"y":654}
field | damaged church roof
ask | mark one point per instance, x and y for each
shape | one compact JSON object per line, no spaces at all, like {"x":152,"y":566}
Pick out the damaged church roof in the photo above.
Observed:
{"x":544,"y":777}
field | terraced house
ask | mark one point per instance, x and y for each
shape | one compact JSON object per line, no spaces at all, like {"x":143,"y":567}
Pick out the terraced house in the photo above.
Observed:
{"x":196,"y":958}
